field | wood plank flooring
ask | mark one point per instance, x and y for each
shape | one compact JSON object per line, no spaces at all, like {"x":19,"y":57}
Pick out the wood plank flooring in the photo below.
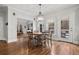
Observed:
{"x":58,"y":48}
{"x":64,"y":48}
{"x":39,"y":51}
{"x":3,"y":47}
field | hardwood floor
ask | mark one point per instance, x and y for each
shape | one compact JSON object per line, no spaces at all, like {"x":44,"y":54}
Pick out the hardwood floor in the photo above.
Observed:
{"x":58,"y":48}
{"x":64,"y":48}
{"x":3,"y":47}
{"x":15,"y":49}
{"x":39,"y":51}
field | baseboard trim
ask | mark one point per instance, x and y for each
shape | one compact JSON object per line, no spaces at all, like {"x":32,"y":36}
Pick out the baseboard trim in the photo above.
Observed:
{"x":66,"y":42}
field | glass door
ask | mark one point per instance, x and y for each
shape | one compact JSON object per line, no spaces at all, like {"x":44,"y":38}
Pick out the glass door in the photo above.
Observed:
{"x":65,"y":29}
{"x":51,"y":27}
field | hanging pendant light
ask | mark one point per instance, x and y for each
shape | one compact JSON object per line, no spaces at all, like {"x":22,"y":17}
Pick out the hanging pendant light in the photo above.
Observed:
{"x":40,"y":16}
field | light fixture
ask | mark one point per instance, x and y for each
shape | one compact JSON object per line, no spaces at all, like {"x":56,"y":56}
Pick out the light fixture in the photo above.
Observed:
{"x":39,"y":16}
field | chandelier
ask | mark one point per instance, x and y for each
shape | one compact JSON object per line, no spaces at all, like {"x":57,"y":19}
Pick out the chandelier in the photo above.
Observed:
{"x":39,"y":16}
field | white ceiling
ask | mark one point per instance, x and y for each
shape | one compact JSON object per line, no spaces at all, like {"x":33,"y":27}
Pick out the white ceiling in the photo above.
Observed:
{"x":33,"y":9}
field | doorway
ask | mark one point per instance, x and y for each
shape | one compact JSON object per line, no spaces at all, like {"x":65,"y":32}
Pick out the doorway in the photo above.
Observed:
{"x":40,"y":27}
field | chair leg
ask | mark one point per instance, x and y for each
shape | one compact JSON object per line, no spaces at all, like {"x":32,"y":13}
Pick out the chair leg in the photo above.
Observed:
{"x":44,"y":43}
{"x":47,"y":43}
{"x":51,"y":42}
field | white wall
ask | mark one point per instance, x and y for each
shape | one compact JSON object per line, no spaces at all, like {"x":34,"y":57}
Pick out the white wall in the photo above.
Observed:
{"x":3,"y":19}
{"x":76,"y":27}
{"x":1,"y":27}
{"x":12,"y":20}
{"x":36,"y":25}
{"x":58,"y":16}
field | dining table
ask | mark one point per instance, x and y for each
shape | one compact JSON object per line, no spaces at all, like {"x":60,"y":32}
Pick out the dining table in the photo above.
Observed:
{"x":38,"y":39}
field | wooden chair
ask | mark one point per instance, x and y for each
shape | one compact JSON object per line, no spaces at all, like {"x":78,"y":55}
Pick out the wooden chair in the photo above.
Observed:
{"x":32,"y":42}
{"x":43,"y":40}
{"x":49,"y":40}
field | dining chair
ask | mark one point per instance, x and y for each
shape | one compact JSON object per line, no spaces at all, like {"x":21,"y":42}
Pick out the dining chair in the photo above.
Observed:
{"x":43,"y":40}
{"x":49,"y":40}
{"x":30,"y":37}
